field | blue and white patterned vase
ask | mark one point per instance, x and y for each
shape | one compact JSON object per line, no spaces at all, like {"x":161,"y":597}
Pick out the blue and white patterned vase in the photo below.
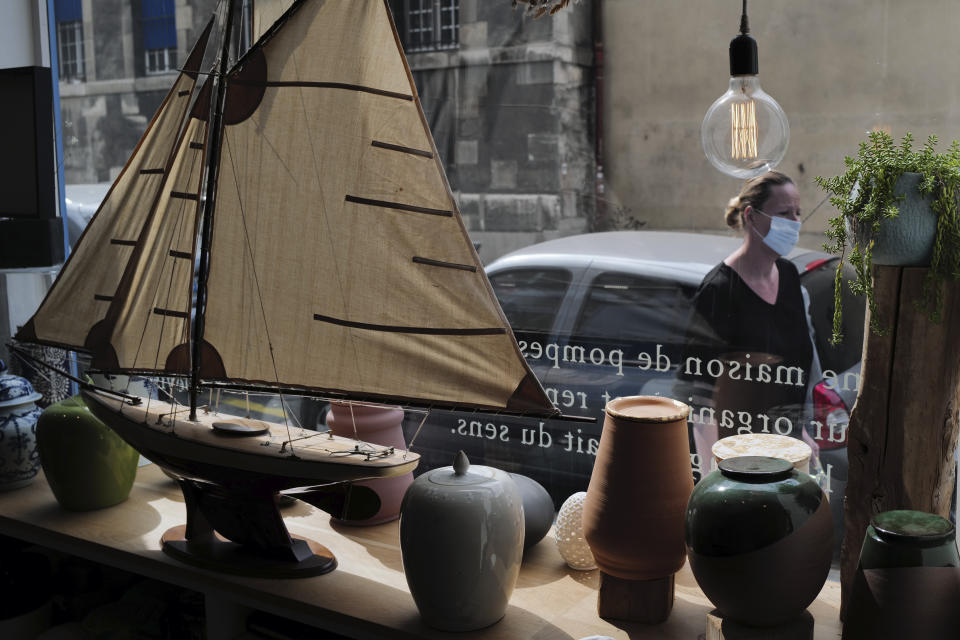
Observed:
{"x":19,"y":458}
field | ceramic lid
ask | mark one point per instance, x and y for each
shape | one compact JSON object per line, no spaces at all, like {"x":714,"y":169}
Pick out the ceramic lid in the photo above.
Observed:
{"x":763,"y":444}
{"x":647,"y":409}
{"x":461,"y":473}
{"x":756,"y":468}
{"x":903,"y":525}
{"x":15,"y":390}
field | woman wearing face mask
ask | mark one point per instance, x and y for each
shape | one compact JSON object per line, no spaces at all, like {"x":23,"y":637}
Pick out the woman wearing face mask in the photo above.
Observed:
{"x":750,"y":326}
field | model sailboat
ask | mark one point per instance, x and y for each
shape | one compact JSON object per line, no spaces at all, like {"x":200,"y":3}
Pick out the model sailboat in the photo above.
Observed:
{"x":300,"y":189}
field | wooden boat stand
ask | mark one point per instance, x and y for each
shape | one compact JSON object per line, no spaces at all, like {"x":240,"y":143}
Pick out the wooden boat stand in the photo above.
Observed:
{"x":239,"y":529}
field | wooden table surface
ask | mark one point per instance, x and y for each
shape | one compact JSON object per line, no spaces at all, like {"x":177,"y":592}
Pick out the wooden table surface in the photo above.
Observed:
{"x":367,"y":595}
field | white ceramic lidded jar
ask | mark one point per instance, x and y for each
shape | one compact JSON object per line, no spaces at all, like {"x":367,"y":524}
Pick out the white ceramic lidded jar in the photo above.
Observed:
{"x":461,"y":538}
{"x":19,"y":459}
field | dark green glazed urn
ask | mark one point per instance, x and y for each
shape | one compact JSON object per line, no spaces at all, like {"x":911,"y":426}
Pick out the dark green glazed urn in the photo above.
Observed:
{"x":759,"y":539}
{"x":87,"y":465}
{"x":906,"y":538}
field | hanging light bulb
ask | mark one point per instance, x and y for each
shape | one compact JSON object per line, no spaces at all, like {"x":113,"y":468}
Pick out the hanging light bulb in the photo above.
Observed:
{"x":745,"y":132}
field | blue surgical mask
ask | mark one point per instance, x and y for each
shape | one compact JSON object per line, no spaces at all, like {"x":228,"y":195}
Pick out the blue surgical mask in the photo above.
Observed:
{"x":783,"y":235}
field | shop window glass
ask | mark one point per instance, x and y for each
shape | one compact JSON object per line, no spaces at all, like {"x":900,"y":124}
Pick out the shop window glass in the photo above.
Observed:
{"x":622,"y":307}
{"x":521,"y":126}
{"x":531,"y":298}
{"x":246,"y":26}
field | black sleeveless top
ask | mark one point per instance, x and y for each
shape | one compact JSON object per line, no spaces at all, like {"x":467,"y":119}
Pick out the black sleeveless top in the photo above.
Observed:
{"x":744,"y":354}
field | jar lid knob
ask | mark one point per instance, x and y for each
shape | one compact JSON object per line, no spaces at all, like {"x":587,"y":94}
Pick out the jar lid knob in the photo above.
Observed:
{"x":460,"y":463}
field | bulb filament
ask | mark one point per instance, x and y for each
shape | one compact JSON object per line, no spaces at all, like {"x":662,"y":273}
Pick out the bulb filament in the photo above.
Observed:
{"x":743,"y":130}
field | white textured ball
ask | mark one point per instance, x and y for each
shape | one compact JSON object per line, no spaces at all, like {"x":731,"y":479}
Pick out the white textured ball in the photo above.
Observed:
{"x":570,"y":541}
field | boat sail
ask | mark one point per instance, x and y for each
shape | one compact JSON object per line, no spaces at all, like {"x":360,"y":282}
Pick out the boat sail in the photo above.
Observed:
{"x":301,"y":190}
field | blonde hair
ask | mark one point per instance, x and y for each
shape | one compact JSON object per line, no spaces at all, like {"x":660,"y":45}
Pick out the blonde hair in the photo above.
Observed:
{"x":754,"y":193}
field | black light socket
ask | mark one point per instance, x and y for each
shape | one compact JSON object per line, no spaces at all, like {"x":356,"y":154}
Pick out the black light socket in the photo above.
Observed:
{"x":743,"y":56}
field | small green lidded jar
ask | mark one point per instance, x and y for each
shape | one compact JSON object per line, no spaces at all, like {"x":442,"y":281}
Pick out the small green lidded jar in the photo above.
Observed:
{"x":904,"y":538}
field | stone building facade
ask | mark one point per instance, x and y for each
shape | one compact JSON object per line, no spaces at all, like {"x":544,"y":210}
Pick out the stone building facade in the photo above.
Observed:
{"x":510,"y":101}
{"x":110,"y":83}
{"x":515,"y":103}
{"x":512,"y":111}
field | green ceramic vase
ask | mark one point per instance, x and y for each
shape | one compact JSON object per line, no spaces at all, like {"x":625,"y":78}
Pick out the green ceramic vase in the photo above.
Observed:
{"x":87,"y":465}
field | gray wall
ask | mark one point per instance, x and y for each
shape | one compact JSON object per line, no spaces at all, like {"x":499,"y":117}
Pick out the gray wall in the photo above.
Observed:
{"x":838,"y":69}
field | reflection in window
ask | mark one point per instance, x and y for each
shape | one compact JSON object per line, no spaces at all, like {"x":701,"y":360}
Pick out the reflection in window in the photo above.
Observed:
{"x":246,"y":27}
{"x":427,"y":25}
{"x":531,"y":298}
{"x":69,"y":17}
{"x":159,"y":36}
{"x":161,"y":60}
{"x":625,"y":307}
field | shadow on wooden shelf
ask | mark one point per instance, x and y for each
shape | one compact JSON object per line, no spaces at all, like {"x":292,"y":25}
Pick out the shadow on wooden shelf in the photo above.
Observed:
{"x":720,"y":629}
{"x":589,"y":578}
{"x":384,"y":548}
{"x":267,"y":626}
{"x":141,"y":518}
{"x":550,"y":568}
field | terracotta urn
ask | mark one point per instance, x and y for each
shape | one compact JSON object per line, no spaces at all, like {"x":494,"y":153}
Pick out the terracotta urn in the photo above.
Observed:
{"x":381,"y":425}
{"x":759,"y":539}
{"x":461,"y":540}
{"x":19,"y":461}
{"x":633,"y":515}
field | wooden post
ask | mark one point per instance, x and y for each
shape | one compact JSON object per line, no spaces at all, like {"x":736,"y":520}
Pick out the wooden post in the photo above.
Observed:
{"x":903,"y":427}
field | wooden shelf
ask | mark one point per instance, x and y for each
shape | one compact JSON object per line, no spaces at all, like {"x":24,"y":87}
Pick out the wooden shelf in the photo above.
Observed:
{"x":367,"y":595}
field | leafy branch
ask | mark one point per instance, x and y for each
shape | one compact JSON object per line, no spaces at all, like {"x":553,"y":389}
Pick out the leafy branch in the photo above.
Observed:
{"x":865,"y":198}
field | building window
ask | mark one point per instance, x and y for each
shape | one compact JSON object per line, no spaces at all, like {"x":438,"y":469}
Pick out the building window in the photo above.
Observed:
{"x":69,"y":17}
{"x":427,"y":25}
{"x":160,"y":60}
{"x":159,"y":36}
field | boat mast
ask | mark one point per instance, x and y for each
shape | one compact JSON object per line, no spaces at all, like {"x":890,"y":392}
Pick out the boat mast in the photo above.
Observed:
{"x":213,"y":163}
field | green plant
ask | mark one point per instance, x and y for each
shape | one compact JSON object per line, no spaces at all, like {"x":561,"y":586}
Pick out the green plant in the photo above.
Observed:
{"x":864,"y":197}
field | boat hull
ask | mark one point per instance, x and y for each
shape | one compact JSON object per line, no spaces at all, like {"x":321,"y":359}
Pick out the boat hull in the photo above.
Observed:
{"x":193,"y":450}
{"x":230,"y":484}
